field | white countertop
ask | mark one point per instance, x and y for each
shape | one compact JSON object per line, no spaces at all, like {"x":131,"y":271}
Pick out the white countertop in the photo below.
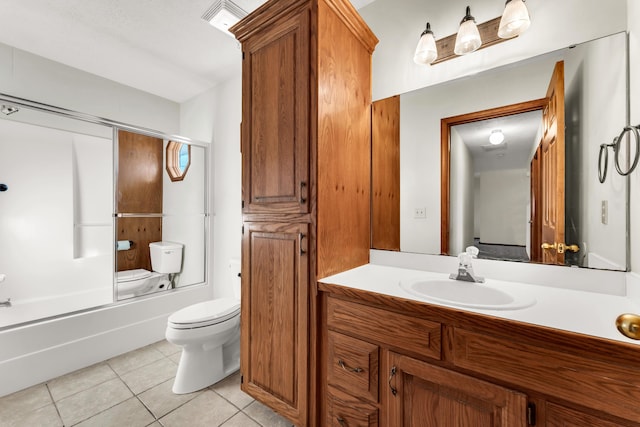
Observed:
{"x":571,"y":310}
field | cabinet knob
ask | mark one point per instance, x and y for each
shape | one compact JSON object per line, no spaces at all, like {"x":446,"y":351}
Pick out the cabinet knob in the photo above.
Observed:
{"x":341,"y":421}
{"x":629,"y":325}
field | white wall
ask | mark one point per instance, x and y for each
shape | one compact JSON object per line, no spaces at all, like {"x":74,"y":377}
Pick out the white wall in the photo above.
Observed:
{"x":634,"y":49}
{"x":398,"y":24}
{"x":597,"y":96}
{"x":216,"y":115}
{"x":462,"y":208}
{"x":420,"y":114}
{"x":33,"y":77}
{"x":503,"y":206}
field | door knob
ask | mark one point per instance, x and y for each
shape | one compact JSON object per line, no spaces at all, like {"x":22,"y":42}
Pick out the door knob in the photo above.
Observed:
{"x":561,"y":247}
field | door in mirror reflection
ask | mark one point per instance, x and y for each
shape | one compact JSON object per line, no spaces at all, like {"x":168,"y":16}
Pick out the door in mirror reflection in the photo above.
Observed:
{"x":496,"y":198}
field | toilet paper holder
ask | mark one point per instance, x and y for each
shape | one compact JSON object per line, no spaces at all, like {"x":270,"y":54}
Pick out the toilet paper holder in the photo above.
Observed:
{"x":124,"y":245}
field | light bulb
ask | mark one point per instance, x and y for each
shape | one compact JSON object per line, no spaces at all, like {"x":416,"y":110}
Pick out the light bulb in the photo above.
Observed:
{"x":496,"y":137}
{"x":515,"y":19}
{"x":468,"y":38}
{"x":426,"y":51}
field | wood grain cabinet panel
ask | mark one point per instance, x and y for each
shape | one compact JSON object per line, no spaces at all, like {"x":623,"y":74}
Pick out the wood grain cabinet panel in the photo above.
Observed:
{"x":275,"y":143}
{"x":305,"y":140}
{"x":392,"y":329}
{"x":275,"y":316}
{"x":559,"y":416}
{"x":423,"y":395}
{"x":570,"y":377}
{"x":352,"y":365}
{"x":344,"y":411}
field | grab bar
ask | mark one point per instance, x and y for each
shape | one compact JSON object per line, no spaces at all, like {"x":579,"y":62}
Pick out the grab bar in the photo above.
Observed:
{"x":615,"y":145}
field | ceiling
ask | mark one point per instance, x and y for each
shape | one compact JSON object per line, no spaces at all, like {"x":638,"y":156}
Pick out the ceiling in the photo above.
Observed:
{"x":161,"y":47}
{"x":520,"y":132}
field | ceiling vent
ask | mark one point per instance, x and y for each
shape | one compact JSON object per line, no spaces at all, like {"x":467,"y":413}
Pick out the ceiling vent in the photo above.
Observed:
{"x":223,"y":14}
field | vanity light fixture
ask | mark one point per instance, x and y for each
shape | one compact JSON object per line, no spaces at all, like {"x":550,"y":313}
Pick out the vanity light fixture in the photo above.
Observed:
{"x":426,"y":51}
{"x":471,"y":37}
{"x":468,"y":38}
{"x":496,"y":137}
{"x":515,"y":19}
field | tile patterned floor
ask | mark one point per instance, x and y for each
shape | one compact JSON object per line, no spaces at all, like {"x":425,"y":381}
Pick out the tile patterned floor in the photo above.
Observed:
{"x":134,"y":389}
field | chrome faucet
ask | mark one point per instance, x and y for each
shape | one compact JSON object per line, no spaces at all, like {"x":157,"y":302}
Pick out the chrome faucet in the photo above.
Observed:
{"x":465,"y":267}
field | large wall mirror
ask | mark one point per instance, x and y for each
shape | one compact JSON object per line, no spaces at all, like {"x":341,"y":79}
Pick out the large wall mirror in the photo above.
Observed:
{"x":491,"y":200}
{"x":83,"y":198}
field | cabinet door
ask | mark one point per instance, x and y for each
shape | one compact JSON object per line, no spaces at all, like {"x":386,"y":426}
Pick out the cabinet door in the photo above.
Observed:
{"x":274,"y":317}
{"x":424,"y":395}
{"x":275,"y":128}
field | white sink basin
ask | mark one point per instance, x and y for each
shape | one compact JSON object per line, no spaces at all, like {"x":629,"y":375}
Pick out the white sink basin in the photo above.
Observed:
{"x":466,"y":294}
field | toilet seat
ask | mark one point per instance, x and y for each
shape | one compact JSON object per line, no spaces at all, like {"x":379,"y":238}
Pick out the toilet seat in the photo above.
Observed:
{"x":131,"y":275}
{"x":205,"y":313}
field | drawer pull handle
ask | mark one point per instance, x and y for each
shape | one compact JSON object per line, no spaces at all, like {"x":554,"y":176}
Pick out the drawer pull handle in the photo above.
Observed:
{"x":346,"y":368}
{"x":341,"y":421}
{"x":394,"y":391}
{"x":302,"y":198}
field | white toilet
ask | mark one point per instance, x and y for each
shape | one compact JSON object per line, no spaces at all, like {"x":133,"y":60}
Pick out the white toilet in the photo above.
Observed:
{"x":209,"y":334}
{"x":166,"y":258}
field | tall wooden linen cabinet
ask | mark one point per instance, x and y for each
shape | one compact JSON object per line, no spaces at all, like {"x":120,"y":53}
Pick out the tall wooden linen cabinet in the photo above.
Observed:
{"x":306,"y":148}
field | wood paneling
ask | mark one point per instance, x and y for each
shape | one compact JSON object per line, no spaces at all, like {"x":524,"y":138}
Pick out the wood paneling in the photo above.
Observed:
{"x":139,"y":190}
{"x":139,"y":173}
{"x":344,"y":140}
{"x":385,"y":175}
{"x":141,"y":231}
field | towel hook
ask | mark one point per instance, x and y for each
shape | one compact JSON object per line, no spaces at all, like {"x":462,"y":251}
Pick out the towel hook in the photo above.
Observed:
{"x":616,"y":145}
{"x":634,"y":131}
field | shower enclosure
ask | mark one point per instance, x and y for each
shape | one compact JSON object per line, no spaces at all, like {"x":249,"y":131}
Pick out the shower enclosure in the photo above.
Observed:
{"x":61,"y":189}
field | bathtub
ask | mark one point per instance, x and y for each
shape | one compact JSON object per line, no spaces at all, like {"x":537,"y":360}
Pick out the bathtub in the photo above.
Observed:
{"x":28,"y":310}
{"x":35,"y":352}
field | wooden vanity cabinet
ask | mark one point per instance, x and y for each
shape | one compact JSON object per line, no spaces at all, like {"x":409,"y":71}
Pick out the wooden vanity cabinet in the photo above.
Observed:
{"x":305,"y":141}
{"x":445,"y":367}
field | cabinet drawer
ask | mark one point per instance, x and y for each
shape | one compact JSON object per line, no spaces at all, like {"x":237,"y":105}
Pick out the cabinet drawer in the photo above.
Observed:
{"x":350,"y":413}
{"x":352,"y":365}
{"x":410,"y":334}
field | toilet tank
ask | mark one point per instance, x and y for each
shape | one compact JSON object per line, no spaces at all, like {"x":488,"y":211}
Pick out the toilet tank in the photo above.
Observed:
{"x":166,"y":257}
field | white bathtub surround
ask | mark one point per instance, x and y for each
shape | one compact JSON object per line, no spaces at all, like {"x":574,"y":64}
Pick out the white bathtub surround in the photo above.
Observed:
{"x":35,"y":353}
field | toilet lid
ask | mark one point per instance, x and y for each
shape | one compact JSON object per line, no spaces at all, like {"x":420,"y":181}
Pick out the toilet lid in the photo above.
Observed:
{"x":205,"y":313}
{"x":129,"y":275}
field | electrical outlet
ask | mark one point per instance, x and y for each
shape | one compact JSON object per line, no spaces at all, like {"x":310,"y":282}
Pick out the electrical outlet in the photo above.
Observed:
{"x":604,"y":212}
{"x":420,"y":213}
